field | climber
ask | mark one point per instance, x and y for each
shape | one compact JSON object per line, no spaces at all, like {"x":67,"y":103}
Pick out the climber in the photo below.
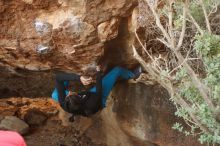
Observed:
{"x":11,"y":138}
{"x":88,"y":102}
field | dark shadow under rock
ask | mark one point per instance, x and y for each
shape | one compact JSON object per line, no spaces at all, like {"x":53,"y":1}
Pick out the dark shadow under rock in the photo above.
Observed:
{"x":35,"y":117}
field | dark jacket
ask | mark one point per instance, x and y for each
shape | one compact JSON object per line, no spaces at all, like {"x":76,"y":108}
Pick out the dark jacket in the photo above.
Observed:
{"x":85,"y":103}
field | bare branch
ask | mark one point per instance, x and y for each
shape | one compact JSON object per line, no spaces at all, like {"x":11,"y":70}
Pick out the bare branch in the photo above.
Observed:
{"x":186,"y":58}
{"x":206,"y":16}
{"x":144,"y":48}
{"x":166,"y":82}
{"x":164,"y":42}
{"x":194,"y":22}
{"x":170,"y":17}
{"x":214,"y":10}
{"x":193,"y":58}
{"x":183,"y":26}
{"x":143,"y":63}
{"x":167,"y":85}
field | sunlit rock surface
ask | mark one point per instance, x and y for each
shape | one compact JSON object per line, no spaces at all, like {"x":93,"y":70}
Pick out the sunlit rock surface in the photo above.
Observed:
{"x":63,"y":34}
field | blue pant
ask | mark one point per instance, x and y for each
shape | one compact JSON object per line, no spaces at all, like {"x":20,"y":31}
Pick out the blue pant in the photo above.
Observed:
{"x":55,"y":92}
{"x":108,"y":82}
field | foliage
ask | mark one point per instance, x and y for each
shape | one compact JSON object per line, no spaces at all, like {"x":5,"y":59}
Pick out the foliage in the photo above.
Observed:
{"x":207,"y":47}
{"x":197,"y":11}
{"x":195,"y":94}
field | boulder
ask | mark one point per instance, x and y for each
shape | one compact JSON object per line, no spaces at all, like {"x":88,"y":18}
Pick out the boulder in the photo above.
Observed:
{"x":6,"y":109}
{"x":65,"y":35}
{"x":26,"y":107}
{"x":15,"y":124}
{"x":38,"y":38}
{"x":35,"y":117}
{"x":137,"y":115}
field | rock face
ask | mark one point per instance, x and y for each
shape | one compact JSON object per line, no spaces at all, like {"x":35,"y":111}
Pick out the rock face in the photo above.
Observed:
{"x":60,"y":34}
{"x":136,"y":115}
{"x":65,"y":35}
{"x":24,"y":106}
{"x":15,"y":124}
{"x":108,"y":30}
{"x":139,"y":114}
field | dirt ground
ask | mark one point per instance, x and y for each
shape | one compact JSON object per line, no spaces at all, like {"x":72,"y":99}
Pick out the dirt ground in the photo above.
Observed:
{"x":49,"y":132}
{"x":54,"y":134}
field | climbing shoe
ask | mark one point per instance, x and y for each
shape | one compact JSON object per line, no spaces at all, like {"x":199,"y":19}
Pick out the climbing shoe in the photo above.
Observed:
{"x":137,"y":72}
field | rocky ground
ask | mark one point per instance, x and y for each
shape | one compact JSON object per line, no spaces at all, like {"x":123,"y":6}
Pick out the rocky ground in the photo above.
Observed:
{"x":53,"y":134}
{"x":39,"y":122}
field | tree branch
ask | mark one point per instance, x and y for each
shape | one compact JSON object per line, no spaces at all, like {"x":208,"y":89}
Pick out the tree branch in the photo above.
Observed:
{"x":194,"y":22}
{"x":206,"y":16}
{"x":144,"y":48}
{"x":170,"y":18}
{"x":166,"y":83}
{"x":164,"y":42}
{"x":186,"y":58}
{"x":183,"y":26}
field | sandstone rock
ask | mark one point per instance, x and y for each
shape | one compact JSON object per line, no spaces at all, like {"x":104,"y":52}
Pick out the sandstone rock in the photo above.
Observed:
{"x":35,"y":117}
{"x":62,"y":30}
{"x":71,"y":32}
{"x":142,"y":116}
{"x":27,"y":106}
{"x":2,"y":7}
{"x":133,"y":23}
{"x":41,"y":108}
{"x":99,"y":11}
{"x":64,"y":117}
{"x":14,"y":124}
{"x":28,"y":1}
{"x":77,"y":4}
{"x":67,"y":24}
{"x":7,"y":109}
{"x":108,"y":30}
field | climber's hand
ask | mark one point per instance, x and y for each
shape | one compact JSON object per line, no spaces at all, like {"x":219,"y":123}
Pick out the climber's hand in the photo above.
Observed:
{"x":98,"y":68}
{"x":70,"y":93}
{"x":86,"y":80}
